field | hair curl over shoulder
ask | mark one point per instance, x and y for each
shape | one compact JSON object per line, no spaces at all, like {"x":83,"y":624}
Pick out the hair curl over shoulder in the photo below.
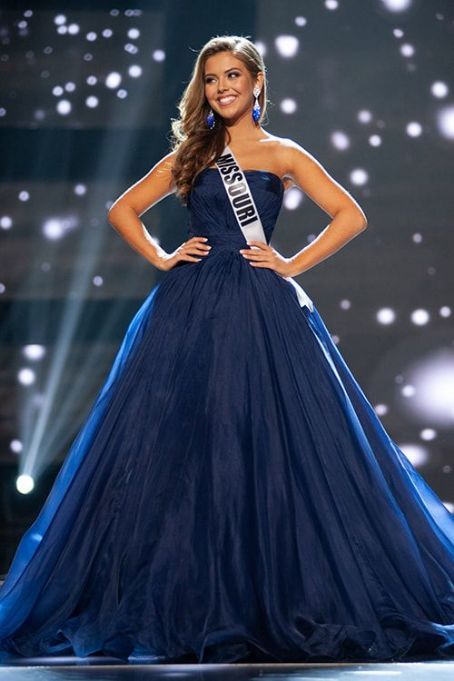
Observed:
{"x":196,"y":146}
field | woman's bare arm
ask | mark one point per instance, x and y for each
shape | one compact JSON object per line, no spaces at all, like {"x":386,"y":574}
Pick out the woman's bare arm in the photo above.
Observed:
{"x":348,"y":218}
{"x":124,"y":214}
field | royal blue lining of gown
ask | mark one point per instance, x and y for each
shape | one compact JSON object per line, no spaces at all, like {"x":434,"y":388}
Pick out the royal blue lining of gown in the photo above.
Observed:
{"x":232,"y":494}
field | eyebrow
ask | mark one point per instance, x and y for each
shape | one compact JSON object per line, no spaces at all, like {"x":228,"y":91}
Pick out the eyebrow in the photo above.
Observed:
{"x":232,"y":68}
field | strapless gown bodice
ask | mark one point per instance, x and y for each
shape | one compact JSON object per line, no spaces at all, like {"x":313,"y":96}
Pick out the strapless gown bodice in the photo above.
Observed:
{"x":210,"y":213}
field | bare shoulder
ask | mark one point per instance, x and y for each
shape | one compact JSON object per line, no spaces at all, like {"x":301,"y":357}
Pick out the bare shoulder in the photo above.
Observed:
{"x":302,"y":169}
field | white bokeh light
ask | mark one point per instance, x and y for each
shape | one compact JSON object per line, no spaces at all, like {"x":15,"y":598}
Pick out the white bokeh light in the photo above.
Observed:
{"x":413,"y":129}
{"x":92,"y":102}
{"x":293,"y":198}
{"x":417,"y":454}
{"x":364,"y":116}
{"x":386,"y":316}
{"x":420,"y":317}
{"x":407,"y":50}
{"x":113,"y":80}
{"x":24,"y":484}
{"x":428,"y":434}
{"x":287,"y":45}
{"x":288,"y":105}
{"x":34,"y":351}
{"x":397,"y":5}
{"x":439,"y":89}
{"x":445,"y":122}
{"x":433,"y":380}
{"x":340,"y":140}
{"x":16,"y":446}
{"x":26,"y":376}
{"x":359,"y":177}
{"x":6,"y":222}
{"x":135,"y":71}
{"x":63,"y":107}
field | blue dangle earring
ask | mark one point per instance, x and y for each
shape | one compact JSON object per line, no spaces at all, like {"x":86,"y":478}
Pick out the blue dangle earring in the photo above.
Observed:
{"x":256,"y":110}
{"x":210,"y":120}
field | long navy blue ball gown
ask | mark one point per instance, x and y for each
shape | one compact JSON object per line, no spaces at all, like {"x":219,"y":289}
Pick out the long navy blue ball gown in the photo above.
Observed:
{"x":232,"y":494}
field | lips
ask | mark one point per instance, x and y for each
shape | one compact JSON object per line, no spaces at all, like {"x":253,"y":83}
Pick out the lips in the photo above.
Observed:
{"x":225,"y":101}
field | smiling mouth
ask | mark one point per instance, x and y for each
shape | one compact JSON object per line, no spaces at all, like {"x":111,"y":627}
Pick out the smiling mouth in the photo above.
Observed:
{"x":225,"y":101}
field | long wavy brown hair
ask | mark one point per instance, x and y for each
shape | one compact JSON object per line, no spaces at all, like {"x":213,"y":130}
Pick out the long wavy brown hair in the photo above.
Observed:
{"x":196,"y":146}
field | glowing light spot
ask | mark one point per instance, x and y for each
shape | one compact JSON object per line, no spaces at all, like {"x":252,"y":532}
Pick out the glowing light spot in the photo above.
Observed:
{"x":63,"y":107}
{"x":364,"y":116}
{"x":408,"y":390}
{"x":288,"y":106}
{"x":420,"y":317}
{"x":428,"y":434}
{"x":24,"y":484}
{"x":113,"y":80}
{"x":414,"y":129}
{"x":16,"y":446}
{"x":6,"y":222}
{"x":293,"y":198}
{"x":386,"y":315}
{"x":92,"y":102}
{"x":26,"y":376}
{"x":445,"y":122}
{"x":397,"y":5}
{"x":407,"y":50}
{"x":287,"y":45}
{"x":34,"y":351}
{"x":340,"y":140}
{"x":359,"y":177}
{"x":135,"y":71}
{"x":439,"y":89}
{"x":415,"y":453}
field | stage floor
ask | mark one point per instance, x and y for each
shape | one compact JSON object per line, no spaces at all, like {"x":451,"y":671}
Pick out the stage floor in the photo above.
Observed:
{"x":101,"y":669}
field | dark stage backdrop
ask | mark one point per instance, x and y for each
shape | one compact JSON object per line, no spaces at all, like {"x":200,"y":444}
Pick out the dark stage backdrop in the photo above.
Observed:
{"x":86,"y":97}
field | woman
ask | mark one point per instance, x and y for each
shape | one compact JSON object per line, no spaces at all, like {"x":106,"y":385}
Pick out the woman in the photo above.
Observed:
{"x":232,"y":494}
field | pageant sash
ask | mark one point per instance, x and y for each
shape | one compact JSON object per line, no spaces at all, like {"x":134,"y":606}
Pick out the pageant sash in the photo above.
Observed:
{"x":245,"y":210}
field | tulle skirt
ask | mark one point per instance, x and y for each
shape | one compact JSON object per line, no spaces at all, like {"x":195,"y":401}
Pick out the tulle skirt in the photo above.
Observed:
{"x":232,"y":495}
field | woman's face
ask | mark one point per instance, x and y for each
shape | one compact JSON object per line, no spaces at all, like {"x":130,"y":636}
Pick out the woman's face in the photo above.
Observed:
{"x":228,"y":85}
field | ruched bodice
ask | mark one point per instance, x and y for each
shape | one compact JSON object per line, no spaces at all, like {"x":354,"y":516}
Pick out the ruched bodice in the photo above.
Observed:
{"x":210,"y":212}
